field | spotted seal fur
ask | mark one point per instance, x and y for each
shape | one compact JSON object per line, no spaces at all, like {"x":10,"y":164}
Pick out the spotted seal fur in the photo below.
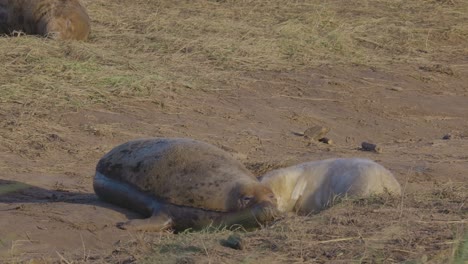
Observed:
{"x":181,"y":183}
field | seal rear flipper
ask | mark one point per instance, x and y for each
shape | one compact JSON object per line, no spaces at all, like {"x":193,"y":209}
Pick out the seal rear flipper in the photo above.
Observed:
{"x":158,"y":222}
{"x":125,"y":195}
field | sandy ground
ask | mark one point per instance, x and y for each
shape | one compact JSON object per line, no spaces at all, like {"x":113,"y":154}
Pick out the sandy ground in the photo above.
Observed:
{"x":56,"y":213}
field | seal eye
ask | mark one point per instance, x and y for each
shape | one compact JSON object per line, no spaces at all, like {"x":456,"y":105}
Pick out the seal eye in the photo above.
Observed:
{"x":245,"y":200}
{"x":272,"y":197}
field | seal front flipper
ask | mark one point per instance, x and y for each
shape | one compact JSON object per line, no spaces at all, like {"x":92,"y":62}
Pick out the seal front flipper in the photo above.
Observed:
{"x":158,"y":222}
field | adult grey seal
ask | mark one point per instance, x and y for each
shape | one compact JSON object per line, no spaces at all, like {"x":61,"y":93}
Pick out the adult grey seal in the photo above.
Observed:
{"x":310,"y":187}
{"x":182,"y":183}
{"x":62,"y":19}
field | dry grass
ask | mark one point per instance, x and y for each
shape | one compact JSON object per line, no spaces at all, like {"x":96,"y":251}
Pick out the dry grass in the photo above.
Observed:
{"x":155,"y":51}
{"x":370,"y":230}
{"x":147,"y":49}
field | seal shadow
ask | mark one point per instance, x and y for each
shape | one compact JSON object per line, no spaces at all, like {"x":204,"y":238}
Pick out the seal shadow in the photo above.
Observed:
{"x":15,"y":192}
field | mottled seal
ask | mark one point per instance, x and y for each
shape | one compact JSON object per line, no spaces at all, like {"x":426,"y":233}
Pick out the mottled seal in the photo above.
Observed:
{"x":62,"y":19}
{"x":310,"y":187}
{"x":182,"y":183}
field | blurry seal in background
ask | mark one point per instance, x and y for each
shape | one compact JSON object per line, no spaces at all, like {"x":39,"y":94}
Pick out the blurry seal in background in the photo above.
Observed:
{"x":61,"y":19}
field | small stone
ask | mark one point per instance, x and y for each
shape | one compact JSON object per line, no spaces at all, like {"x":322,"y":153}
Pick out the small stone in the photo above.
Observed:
{"x":54,"y":137}
{"x":366,"y":146}
{"x":185,"y":260}
{"x":326,"y":141}
{"x":447,"y":137}
{"x":396,"y":88}
{"x":316,"y":132}
{"x":233,"y":241}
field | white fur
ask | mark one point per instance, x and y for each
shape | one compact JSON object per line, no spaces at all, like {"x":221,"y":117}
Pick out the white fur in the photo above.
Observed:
{"x":312,"y":186}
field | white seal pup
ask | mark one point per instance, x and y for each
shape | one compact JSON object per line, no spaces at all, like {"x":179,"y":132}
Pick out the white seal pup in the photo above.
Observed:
{"x":310,"y":187}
